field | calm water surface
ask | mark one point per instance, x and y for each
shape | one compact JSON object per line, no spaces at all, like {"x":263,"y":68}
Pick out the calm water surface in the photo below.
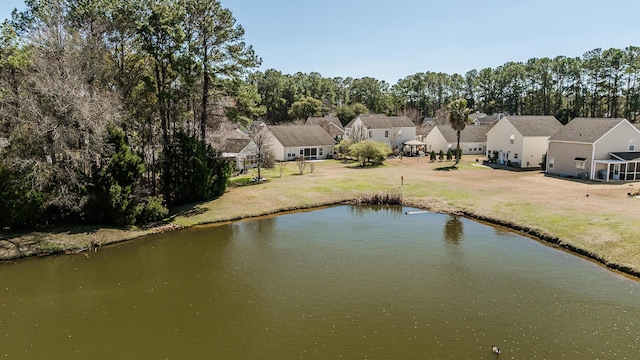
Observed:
{"x":342,"y":282}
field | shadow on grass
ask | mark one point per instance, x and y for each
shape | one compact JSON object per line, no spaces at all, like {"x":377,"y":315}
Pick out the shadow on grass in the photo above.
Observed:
{"x":359,"y":165}
{"x":446,"y":168}
{"x":66,"y":228}
{"x":187,"y":210}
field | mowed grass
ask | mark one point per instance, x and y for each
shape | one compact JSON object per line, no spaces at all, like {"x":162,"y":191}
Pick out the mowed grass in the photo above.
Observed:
{"x":604,"y":224}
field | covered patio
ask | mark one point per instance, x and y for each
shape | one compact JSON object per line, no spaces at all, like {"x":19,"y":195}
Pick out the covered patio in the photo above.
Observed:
{"x":621,"y":166}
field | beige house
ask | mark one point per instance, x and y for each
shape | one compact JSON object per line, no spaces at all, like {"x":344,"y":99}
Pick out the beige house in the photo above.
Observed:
{"x":602,"y":149}
{"x":240,"y":148}
{"x":330,"y":124}
{"x":391,"y":130}
{"x":311,"y":142}
{"x":521,"y":141}
{"x":473,"y":139}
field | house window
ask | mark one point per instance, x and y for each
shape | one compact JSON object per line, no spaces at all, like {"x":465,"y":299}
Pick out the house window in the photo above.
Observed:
{"x":319,"y":151}
{"x":386,"y":133}
{"x":370,"y":134}
{"x":309,"y":153}
{"x":581,"y":164}
{"x":515,"y":156}
{"x":550,"y":163}
{"x":512,"y":139}
{"x":632,"y":144}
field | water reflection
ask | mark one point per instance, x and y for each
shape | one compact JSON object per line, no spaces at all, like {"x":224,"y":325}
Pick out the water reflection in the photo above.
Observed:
{"x":453,"y":230}
{"x":391,"y":212}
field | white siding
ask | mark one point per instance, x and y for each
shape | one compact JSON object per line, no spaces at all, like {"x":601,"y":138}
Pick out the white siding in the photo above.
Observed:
{"x":505,"y":139}
{"x":435,"y":141}
{"x":534,"y":148}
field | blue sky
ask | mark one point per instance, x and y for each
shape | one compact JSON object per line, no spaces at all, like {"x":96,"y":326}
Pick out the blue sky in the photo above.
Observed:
{"x":392,"y":39}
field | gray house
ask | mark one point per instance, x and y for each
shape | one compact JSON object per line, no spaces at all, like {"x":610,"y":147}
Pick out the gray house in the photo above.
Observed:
{"x":601,"y":149}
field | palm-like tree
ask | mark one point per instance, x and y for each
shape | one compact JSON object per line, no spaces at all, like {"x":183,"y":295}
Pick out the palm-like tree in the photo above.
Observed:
{"x":458,"y":118}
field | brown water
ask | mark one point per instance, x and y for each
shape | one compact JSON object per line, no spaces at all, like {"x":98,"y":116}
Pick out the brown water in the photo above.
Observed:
{"x":342,"y":282}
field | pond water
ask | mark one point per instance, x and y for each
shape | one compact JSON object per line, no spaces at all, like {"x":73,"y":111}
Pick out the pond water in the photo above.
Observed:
{"x":341,"y":282}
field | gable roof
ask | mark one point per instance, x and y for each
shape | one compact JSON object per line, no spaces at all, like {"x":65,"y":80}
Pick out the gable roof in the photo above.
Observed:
{"x":428,"y":121}
{"x":331,"y":124}
{"x":477,"y":115}
{"x":235,"y":145}
{"x":487,"y":120}
{"x":381,"y":121}
{"x":311,"y":120}
{"x":535,"y":125}
{"x":586,"y":130}
{"x":471,"y":133}
{"x":301,"y":135}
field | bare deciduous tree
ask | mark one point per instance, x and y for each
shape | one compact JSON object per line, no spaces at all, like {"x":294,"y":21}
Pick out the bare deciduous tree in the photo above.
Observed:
{"x":413,"y":114}
{"x":263,"y":151}
{"x":395,"y":134}
{"x":282,"y":165}
{"x":62,"y":131}
{"x":301,"y":163}
{"x":358,"y":133}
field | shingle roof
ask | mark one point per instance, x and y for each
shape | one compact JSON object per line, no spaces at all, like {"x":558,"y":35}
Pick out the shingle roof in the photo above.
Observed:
{"x":477,"y":115}
{"x":487,"y":120}
{"x":322,"y":120}
{"x":381,"y":121}
{"x":301,"y":135}
{"x":235,"y":145}
{"x":627,"y":156}
{"x":334,"y":130}
{"x":471,"y":133}
{"x":535,"y":125}
{"x":585,"y":130}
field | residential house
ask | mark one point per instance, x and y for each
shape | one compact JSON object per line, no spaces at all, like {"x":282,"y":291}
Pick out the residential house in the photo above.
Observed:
{"x":311,"y":142}
{"x":391,"y":130}
{"x":521,"y":141}
{"x":484,"y":119}
{"x":423,"y":130}
{"x":240,"y":148}
{"x":473,"y":139}
{"x":330,"y":124}
{"x":601,"y":149}
{"x":428,"y":121}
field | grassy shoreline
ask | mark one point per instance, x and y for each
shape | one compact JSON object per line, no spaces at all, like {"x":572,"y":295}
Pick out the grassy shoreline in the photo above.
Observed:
{"x":594,"y":220}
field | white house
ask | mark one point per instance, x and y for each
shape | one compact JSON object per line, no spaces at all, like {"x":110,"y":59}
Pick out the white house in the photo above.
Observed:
{"x":391,"y":130}
{"x":240,"y":148}
{"x":521,"y":141}
{"x":600,"y":149}
{"x":310,"y":142}
{"x":473,"y":139}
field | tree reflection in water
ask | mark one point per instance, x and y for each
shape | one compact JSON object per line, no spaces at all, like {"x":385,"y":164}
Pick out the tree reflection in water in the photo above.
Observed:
{"x":453,"y":230}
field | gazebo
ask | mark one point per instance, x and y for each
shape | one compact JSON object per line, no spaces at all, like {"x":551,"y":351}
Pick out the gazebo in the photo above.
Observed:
{"x":414,"y":146}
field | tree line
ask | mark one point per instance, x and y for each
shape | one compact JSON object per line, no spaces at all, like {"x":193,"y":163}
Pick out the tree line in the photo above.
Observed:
{"x":601,"y":83}
{"x":110,"y":107}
